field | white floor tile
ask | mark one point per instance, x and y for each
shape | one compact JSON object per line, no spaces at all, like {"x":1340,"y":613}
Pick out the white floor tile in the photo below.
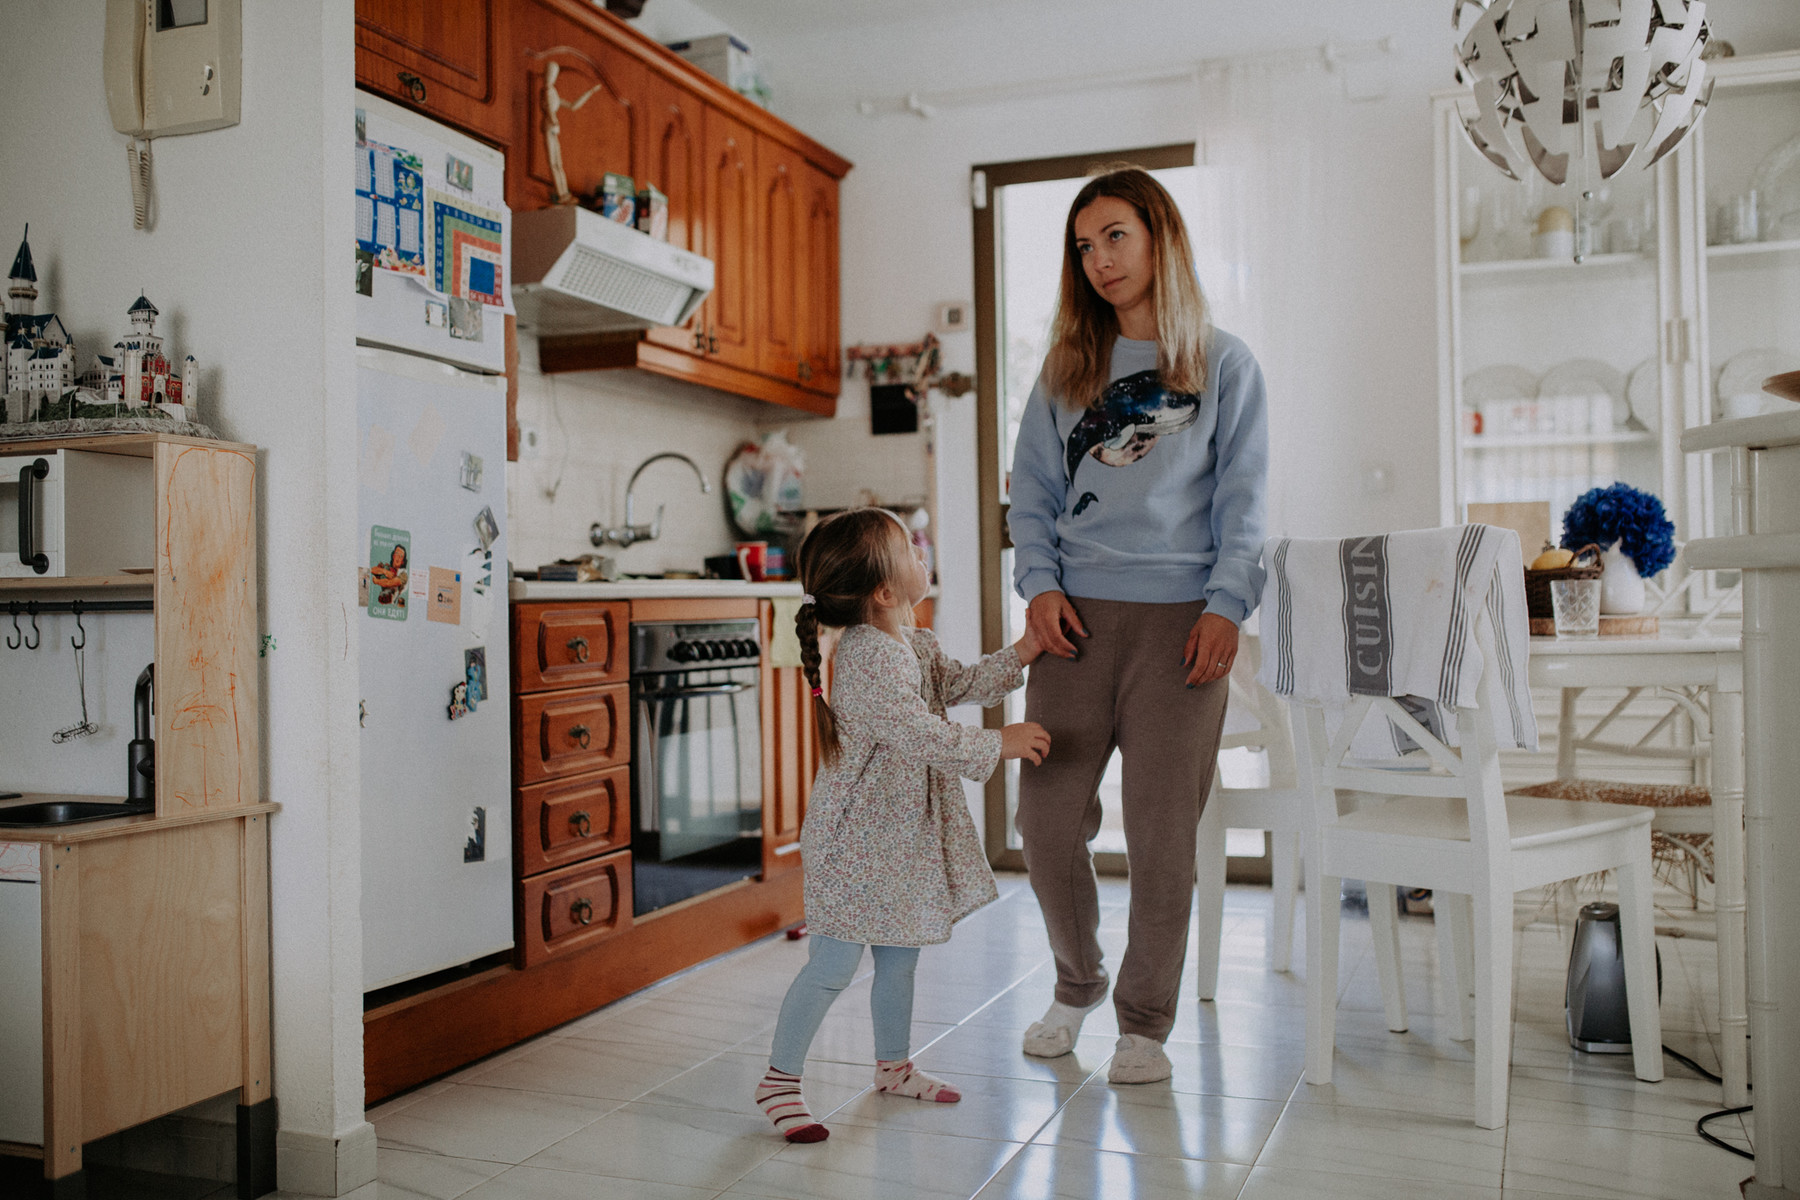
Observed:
{"x":534,"y":1183}
{"x":495,"y":1124}
{"x":690,"y":1147}
{"x":1593,"y":1161}
{"x":1078,"y":1173}
{"x":993,"y":1107}
{"x":1150,"y":1119}
{"x":1289,"y":1183}
{"x":878,"y":1164}
{"x":407,"y":1174}
{"x":578,"y":1066}
{"x":1374,"y":1141}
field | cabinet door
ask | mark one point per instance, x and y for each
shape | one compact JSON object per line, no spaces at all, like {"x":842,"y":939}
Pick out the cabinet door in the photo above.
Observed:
{"x":730,"y":228}
{"x":782,"y":272}
{"x":675,"y":161}
{"x":435,"y":55}
{"x":820,"y":316}
{"x":577,"y":85}
{"x":790,"y":756}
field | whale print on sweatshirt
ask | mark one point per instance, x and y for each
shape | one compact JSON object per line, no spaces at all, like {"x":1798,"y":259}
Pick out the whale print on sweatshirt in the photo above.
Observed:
{"x":1134,"y":411}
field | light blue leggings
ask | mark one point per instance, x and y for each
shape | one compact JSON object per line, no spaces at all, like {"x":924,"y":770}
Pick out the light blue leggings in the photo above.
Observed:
{"x":830,"y":966}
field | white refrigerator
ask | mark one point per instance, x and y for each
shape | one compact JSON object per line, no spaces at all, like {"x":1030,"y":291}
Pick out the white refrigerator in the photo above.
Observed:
{"x":431,"y":426}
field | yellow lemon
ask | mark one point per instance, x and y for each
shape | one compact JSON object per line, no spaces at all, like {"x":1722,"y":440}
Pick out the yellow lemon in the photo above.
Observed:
{"x":1550,"y":560}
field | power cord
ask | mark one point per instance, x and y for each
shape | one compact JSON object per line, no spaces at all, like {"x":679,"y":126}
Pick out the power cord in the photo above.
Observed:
{"x":1700,"y":1125}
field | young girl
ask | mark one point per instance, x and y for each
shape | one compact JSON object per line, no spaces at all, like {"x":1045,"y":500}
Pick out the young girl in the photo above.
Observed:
{"x":892,"y":859}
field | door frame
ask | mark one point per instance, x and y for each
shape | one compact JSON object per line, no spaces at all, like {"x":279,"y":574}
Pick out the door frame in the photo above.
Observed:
{"x":984,"y":180}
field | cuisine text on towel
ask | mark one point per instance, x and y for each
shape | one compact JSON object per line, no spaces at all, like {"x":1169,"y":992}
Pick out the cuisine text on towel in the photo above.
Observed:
{"x":1395,"y":615}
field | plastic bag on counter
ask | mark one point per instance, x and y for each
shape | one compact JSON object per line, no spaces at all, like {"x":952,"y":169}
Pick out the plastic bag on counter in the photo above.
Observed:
{"x":763,"y":483}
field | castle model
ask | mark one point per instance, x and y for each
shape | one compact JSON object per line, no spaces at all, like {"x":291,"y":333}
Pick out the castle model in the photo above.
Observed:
{"x":37,"y":370}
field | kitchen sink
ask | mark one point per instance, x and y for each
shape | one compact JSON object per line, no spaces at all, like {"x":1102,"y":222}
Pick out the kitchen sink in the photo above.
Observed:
{"x":66,"y":812}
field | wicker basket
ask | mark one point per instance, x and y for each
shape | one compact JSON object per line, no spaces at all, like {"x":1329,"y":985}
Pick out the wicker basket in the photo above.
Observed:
{"x":1537,"y":583}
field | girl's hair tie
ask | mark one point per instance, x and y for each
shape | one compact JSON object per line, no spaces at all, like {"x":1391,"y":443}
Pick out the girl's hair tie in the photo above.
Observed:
{"x":818,"y":691}
{"x":808,"y":599}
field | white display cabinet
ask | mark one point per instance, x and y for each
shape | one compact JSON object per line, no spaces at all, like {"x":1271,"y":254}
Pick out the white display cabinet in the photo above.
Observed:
{"x":1555,"y":375}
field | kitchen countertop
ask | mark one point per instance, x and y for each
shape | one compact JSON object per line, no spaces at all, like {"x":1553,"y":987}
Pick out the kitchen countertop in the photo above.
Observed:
{"x":649,"y":589}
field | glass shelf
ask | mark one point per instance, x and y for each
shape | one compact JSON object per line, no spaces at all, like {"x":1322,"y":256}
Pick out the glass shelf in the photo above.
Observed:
{"x":1514,"y":441}
{"x":1741,"y":249}
{"x":1514,"y":266}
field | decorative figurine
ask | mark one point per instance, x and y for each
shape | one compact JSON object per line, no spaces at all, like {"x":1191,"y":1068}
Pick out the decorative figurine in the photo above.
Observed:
{"x":459,"y":701}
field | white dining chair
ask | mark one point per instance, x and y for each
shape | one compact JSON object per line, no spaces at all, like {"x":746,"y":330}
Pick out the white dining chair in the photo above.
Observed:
{"x":1255,"y":719}
{"x":1444,"y":822}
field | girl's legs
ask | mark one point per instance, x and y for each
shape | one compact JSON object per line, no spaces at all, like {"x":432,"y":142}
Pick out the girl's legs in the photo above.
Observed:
{"x":830,"y":966}
{"x":890,"y":1004}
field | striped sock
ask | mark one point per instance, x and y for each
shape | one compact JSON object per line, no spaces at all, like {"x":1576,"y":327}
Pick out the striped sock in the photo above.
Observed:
{"x":899,"y":1077}
{"x":778,"y":1095}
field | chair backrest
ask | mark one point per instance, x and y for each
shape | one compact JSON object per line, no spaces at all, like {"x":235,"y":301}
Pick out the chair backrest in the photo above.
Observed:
{"x":1257,"y":719}
{"x":1470,"y":771}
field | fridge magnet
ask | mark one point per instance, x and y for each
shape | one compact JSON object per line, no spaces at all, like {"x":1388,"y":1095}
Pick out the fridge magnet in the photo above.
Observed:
{"x":475,"y":849}
{"x":459,"y":701}
{"x":471,"y":473}
{"x":486,"y":528}
{"x":475,"y":670}
{"x":444,"y":598}
{"x":437,"y":314}
{"x":362,"y":587}
{"x":478,"y":568}
{"x":388,"y":552}
{"x":365,"y":272}
{"x":458,"y":174}
{"x":465,"y":319}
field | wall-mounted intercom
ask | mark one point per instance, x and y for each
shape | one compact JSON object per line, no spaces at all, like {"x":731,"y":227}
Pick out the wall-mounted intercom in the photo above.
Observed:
{"x":172,"y":66}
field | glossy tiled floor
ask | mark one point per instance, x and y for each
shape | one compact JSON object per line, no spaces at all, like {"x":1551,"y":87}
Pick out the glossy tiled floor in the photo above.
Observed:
{"x":649,"y":1099}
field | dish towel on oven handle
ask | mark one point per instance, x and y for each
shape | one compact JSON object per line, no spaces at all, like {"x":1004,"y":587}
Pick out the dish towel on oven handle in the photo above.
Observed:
{"x":1395,"y":615}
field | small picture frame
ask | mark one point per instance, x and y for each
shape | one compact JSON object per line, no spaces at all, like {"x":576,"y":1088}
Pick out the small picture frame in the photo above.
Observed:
{"x":471,"y":471}
{"x":486,"y":528}
{"x":953,"y":316}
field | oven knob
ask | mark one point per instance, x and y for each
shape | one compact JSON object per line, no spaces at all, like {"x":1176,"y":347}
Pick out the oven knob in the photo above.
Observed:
{"x":682,"y":652}
{"x":746,"y":648}
{"x":709,"y":650}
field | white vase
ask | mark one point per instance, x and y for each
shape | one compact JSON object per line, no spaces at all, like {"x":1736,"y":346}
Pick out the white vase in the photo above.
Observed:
{"x":1621,"y":587}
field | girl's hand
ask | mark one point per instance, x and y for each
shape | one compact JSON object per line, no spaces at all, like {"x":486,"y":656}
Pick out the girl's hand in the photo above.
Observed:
{"x":1046,"y":616}
{"x":1028,"y":647}
{"x":1212,"y":646}
{"x":1027,"y":739}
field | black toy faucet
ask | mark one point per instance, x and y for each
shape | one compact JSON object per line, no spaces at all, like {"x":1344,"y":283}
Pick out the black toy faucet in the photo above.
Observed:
{"x":140,"y":755}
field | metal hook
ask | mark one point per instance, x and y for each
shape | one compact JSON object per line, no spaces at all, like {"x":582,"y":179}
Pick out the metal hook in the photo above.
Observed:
{"x":75,"y":607}
{"x":33,"y":645}
{"x":13,"y":643}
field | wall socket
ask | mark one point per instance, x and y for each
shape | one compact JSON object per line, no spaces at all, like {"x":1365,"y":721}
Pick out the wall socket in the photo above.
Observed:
{"x":531,"y":441}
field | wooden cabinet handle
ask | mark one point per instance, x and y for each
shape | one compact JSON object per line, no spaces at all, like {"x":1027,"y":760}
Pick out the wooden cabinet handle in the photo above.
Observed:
{"x":415,"y":87}
{"x":581,"y":912}
{"x":579,"y":733}
{"x":700,"y":340}
{"x":712,"y":342}
{"x":578,"y":646}
{"x":580,"y":824}
{"x":804,"y":370}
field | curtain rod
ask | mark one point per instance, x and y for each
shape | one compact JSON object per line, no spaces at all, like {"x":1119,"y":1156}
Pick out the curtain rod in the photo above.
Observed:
{"x":1330,"y":54}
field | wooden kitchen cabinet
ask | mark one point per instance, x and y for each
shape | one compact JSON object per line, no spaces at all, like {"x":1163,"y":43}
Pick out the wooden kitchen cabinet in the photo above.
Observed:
{"x":600,"y":113}
{"x":569,"y":820}
{"x":572,"y":908}
{"x":731,"y":226}
{"x":790,"y":755}
{"x":782,"y":273}
{"x":442,"y":57}
{"x":675,"y":161}
{"x":569,"y":645}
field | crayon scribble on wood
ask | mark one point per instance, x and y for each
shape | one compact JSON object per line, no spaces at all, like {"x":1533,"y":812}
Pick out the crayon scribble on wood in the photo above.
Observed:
{"x":206,"y":673}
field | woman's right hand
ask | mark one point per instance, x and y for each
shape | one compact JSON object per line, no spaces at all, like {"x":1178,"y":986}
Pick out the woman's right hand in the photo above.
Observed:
{"x":1027,"y":739}
{"x":1047,"y":615}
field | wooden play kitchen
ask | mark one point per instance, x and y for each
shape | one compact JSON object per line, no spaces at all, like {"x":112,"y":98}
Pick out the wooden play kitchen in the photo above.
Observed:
{"x":137,"y":946}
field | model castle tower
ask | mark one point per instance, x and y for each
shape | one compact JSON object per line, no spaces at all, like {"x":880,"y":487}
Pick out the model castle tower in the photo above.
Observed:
{"x":38,"y":357}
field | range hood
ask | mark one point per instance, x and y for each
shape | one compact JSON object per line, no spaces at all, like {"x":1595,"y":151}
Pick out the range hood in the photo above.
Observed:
{"x":574,"y":271}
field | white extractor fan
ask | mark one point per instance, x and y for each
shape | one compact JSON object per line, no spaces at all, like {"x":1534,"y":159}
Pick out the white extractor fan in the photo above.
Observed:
{"x":574,"y":271}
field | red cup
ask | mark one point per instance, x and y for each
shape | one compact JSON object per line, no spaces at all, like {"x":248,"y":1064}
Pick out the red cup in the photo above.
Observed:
{"x":752,"y":557}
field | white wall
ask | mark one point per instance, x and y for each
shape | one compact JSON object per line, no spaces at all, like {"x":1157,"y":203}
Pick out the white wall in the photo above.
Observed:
{"x":248,"y":262}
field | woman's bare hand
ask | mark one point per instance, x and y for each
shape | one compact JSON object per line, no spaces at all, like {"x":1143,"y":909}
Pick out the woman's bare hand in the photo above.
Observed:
{"x":1212,"y":646}
{"x":1046,"y":616}
{"x":1027,"y":739}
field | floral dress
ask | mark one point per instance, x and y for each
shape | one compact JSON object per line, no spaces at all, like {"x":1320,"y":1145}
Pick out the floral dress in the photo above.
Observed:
{"x":891,"y":856}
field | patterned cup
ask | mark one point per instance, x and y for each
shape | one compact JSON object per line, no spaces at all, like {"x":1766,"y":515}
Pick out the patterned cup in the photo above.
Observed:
{"x":1576,"y":603}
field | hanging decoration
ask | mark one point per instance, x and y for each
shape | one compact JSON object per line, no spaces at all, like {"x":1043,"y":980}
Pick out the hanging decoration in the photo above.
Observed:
{"x":915,"y":365}
{"x":1561,"y":83}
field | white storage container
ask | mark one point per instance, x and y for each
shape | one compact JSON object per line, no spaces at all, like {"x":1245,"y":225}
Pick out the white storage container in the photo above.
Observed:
{"x":726,"y":59}
{"x":76,"y":514}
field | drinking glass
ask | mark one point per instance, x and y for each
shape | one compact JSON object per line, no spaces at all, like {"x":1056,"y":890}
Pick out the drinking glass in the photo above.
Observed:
{"x":1576,"y":605}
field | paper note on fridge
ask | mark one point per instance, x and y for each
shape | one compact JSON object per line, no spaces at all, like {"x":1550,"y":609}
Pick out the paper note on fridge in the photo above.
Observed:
{"x":444,"y":601}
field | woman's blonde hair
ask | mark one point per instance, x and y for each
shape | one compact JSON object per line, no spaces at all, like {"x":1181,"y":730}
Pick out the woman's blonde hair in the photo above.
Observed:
{"x":842,"y":563}
{"x":1077,"y":368}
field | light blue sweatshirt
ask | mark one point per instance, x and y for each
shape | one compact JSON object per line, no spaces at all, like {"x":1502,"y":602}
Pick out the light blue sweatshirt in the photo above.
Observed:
{"x":1152,"y":495}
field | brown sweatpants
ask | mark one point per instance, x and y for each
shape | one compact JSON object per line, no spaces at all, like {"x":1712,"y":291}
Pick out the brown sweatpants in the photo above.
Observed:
{"x":1126,"y":689}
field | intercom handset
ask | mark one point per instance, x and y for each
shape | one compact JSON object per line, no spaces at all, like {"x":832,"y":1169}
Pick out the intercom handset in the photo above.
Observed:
{"x":172,"y":66}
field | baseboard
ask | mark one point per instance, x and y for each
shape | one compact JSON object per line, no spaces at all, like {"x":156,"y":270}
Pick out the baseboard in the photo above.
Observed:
{"x":1762,"y":1191}
{"x":316,"y":1165}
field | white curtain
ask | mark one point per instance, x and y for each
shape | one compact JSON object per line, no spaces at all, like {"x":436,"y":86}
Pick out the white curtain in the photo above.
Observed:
{"x":1272,"y":146}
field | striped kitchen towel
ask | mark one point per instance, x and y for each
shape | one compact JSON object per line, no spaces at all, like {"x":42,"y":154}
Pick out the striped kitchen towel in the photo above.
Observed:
{"x":1394,"y":615}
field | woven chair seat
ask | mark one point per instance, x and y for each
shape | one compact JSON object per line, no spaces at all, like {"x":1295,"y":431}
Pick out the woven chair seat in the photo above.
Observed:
{"x":1606,"y":791}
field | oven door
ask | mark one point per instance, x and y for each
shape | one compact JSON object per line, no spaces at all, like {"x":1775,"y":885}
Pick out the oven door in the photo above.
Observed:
{"x":696,"y":761}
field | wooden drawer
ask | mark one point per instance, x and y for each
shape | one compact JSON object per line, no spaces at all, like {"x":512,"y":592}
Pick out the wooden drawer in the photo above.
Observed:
{"x":571,"y":733}
{"x":573,"y":908}
{"x":571,"y":820}
{"x":560,"y":645}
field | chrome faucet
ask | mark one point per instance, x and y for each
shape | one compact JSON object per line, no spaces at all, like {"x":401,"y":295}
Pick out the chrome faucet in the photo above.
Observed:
{"x":631,"y":532}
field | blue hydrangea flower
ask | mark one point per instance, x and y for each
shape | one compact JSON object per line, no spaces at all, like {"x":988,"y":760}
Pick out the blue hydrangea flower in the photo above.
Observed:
{"x":1622,"y":514}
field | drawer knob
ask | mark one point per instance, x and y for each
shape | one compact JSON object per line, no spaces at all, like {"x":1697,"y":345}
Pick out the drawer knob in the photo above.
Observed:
{"x":579,"y":733}
{"x":415,"y":87}
{"x":581,"y":912}
{"x":580,"y":824}
{"x":578,"y":646}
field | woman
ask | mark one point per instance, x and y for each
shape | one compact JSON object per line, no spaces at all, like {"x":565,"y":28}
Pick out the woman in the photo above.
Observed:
{"x":1137,"y":517}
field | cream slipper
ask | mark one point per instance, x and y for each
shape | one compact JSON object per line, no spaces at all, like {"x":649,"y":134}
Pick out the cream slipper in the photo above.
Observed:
{"x":1138,"y":1059}
{"x":1055,"y":1035}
